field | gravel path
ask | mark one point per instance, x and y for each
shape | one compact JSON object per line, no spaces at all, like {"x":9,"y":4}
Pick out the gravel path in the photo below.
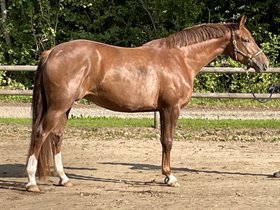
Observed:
{"x":24,"y":111}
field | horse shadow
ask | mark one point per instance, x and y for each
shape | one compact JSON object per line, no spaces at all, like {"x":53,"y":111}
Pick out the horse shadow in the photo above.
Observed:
{"x":15,"y":170}
{"x":104,"y":179}
{"x":8,"y":171}
{"x":136,"y":166}
{"x":146,"y":167}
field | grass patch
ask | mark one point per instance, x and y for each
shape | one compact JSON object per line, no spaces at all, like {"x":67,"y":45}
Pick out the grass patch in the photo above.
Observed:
{"x":227,"y":123}
{"x":182,"y":123}
{"x":110,"y":122}
{"x":15,"y":99}
{"x":115,"y":122}
{"x":233,"y":103}
{"x":20,"y":121}
{"x":141,"y":129}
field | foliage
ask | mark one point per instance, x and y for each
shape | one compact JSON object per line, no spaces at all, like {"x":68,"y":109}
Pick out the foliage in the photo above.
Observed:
{"x":271,"y":48}
{"x":235,"y":82}
{"x":263,"y":20}
{"x":34,"y":26}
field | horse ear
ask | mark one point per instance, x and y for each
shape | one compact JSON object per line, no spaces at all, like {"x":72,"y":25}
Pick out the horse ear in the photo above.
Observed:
{"x":241,"y":21}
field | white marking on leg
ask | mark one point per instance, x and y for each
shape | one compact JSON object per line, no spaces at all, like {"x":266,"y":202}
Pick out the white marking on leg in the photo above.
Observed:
{"x":31,"y":170}
{"x":171,"y":180}
{"x":59,"y":168}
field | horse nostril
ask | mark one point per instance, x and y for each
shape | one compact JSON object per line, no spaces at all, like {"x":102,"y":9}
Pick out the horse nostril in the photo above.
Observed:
{"x":265,"y":66}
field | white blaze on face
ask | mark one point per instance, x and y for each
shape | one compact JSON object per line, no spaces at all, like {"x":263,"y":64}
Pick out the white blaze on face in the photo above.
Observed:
{"x":59,"y":168}
{"x":31,"y":170}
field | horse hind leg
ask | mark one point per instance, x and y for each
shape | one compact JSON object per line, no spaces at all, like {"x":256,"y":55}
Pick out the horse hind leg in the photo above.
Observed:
{"x":57,"y":136}
{"x":31,"y":168}
{"x":33,"y":161}
{"x":38,"y":159}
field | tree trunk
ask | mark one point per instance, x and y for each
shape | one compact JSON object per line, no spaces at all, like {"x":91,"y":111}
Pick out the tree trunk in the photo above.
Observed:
{"x":4,"y":18}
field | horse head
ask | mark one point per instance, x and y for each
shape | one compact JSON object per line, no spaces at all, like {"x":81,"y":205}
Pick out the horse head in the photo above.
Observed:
{"x":244,"y":49}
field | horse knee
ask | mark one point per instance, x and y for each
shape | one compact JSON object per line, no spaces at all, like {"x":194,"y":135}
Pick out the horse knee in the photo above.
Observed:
{"x":167,"y":144}
{"x":37,"y":143}
{"x":56,"y":137}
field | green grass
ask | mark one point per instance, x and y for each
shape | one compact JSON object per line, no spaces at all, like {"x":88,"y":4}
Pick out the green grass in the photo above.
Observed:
{"x":227,"y":123}
{"x":110,"y":122}
{"x":20,"y":121}
{"x":15,"y":99}
{"x":233,"y":103}
{"x":146,"y":122}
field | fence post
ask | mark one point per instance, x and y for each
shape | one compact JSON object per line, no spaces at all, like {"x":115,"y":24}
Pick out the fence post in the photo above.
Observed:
{"x":156,"y":120}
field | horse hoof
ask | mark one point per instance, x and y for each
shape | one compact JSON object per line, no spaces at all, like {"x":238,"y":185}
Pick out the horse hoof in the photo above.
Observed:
{"x":66,"y":184}
{"x":171,"y":181}
{"x":32,"y":188}
{"x":276,"y":174}
{"x":175,"y":184}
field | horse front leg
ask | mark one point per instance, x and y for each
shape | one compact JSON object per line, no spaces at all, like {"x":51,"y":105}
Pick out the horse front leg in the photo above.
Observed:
{"x":168,"y":119}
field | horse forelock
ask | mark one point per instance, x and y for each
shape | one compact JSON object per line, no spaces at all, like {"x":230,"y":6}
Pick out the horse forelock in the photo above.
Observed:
{"x":192,"y":35}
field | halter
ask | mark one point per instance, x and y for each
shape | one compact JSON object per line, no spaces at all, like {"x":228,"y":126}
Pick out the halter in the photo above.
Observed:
{"x":237,"y":50}
{"x":250,"y":57}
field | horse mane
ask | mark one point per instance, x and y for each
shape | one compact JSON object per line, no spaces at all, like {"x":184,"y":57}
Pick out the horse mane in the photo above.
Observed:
{"x":192,"y":35}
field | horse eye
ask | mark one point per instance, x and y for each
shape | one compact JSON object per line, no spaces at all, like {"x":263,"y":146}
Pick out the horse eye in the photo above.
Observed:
{"x":245,"y":40}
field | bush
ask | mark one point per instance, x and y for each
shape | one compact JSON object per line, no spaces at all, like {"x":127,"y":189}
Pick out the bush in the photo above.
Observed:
{"x":34,"y":26}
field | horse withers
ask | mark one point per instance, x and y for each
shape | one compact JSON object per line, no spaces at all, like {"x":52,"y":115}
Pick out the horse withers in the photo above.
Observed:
{"x":157,"y":76}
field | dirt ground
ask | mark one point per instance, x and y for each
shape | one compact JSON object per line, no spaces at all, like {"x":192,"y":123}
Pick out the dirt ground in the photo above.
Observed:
{"x":119,"y":168}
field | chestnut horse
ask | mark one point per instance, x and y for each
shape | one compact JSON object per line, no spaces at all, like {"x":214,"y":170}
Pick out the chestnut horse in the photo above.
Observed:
{"x":157,"y":76}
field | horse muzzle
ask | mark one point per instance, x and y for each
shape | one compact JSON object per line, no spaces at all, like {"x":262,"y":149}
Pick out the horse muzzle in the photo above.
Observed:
{"x":258,"y":65}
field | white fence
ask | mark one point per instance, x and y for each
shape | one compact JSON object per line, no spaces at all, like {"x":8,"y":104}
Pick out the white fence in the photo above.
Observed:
{"x":195,"y":95}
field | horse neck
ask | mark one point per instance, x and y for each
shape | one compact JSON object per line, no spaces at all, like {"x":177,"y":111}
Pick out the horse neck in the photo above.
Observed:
{"x":158,"y":43}
{"x":200,"y":54}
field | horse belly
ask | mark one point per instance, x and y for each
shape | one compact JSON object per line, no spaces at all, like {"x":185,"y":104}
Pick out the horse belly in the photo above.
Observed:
{"x":128,"y":92}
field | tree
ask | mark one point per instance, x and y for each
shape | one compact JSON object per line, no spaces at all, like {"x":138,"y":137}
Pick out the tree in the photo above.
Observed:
{"x":32,"y":26}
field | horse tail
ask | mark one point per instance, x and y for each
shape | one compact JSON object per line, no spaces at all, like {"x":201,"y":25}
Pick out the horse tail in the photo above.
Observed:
{"x":39,"y":108}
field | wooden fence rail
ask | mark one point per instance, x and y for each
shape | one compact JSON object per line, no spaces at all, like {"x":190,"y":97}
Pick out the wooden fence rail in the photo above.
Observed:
{"x":195,"y":95}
